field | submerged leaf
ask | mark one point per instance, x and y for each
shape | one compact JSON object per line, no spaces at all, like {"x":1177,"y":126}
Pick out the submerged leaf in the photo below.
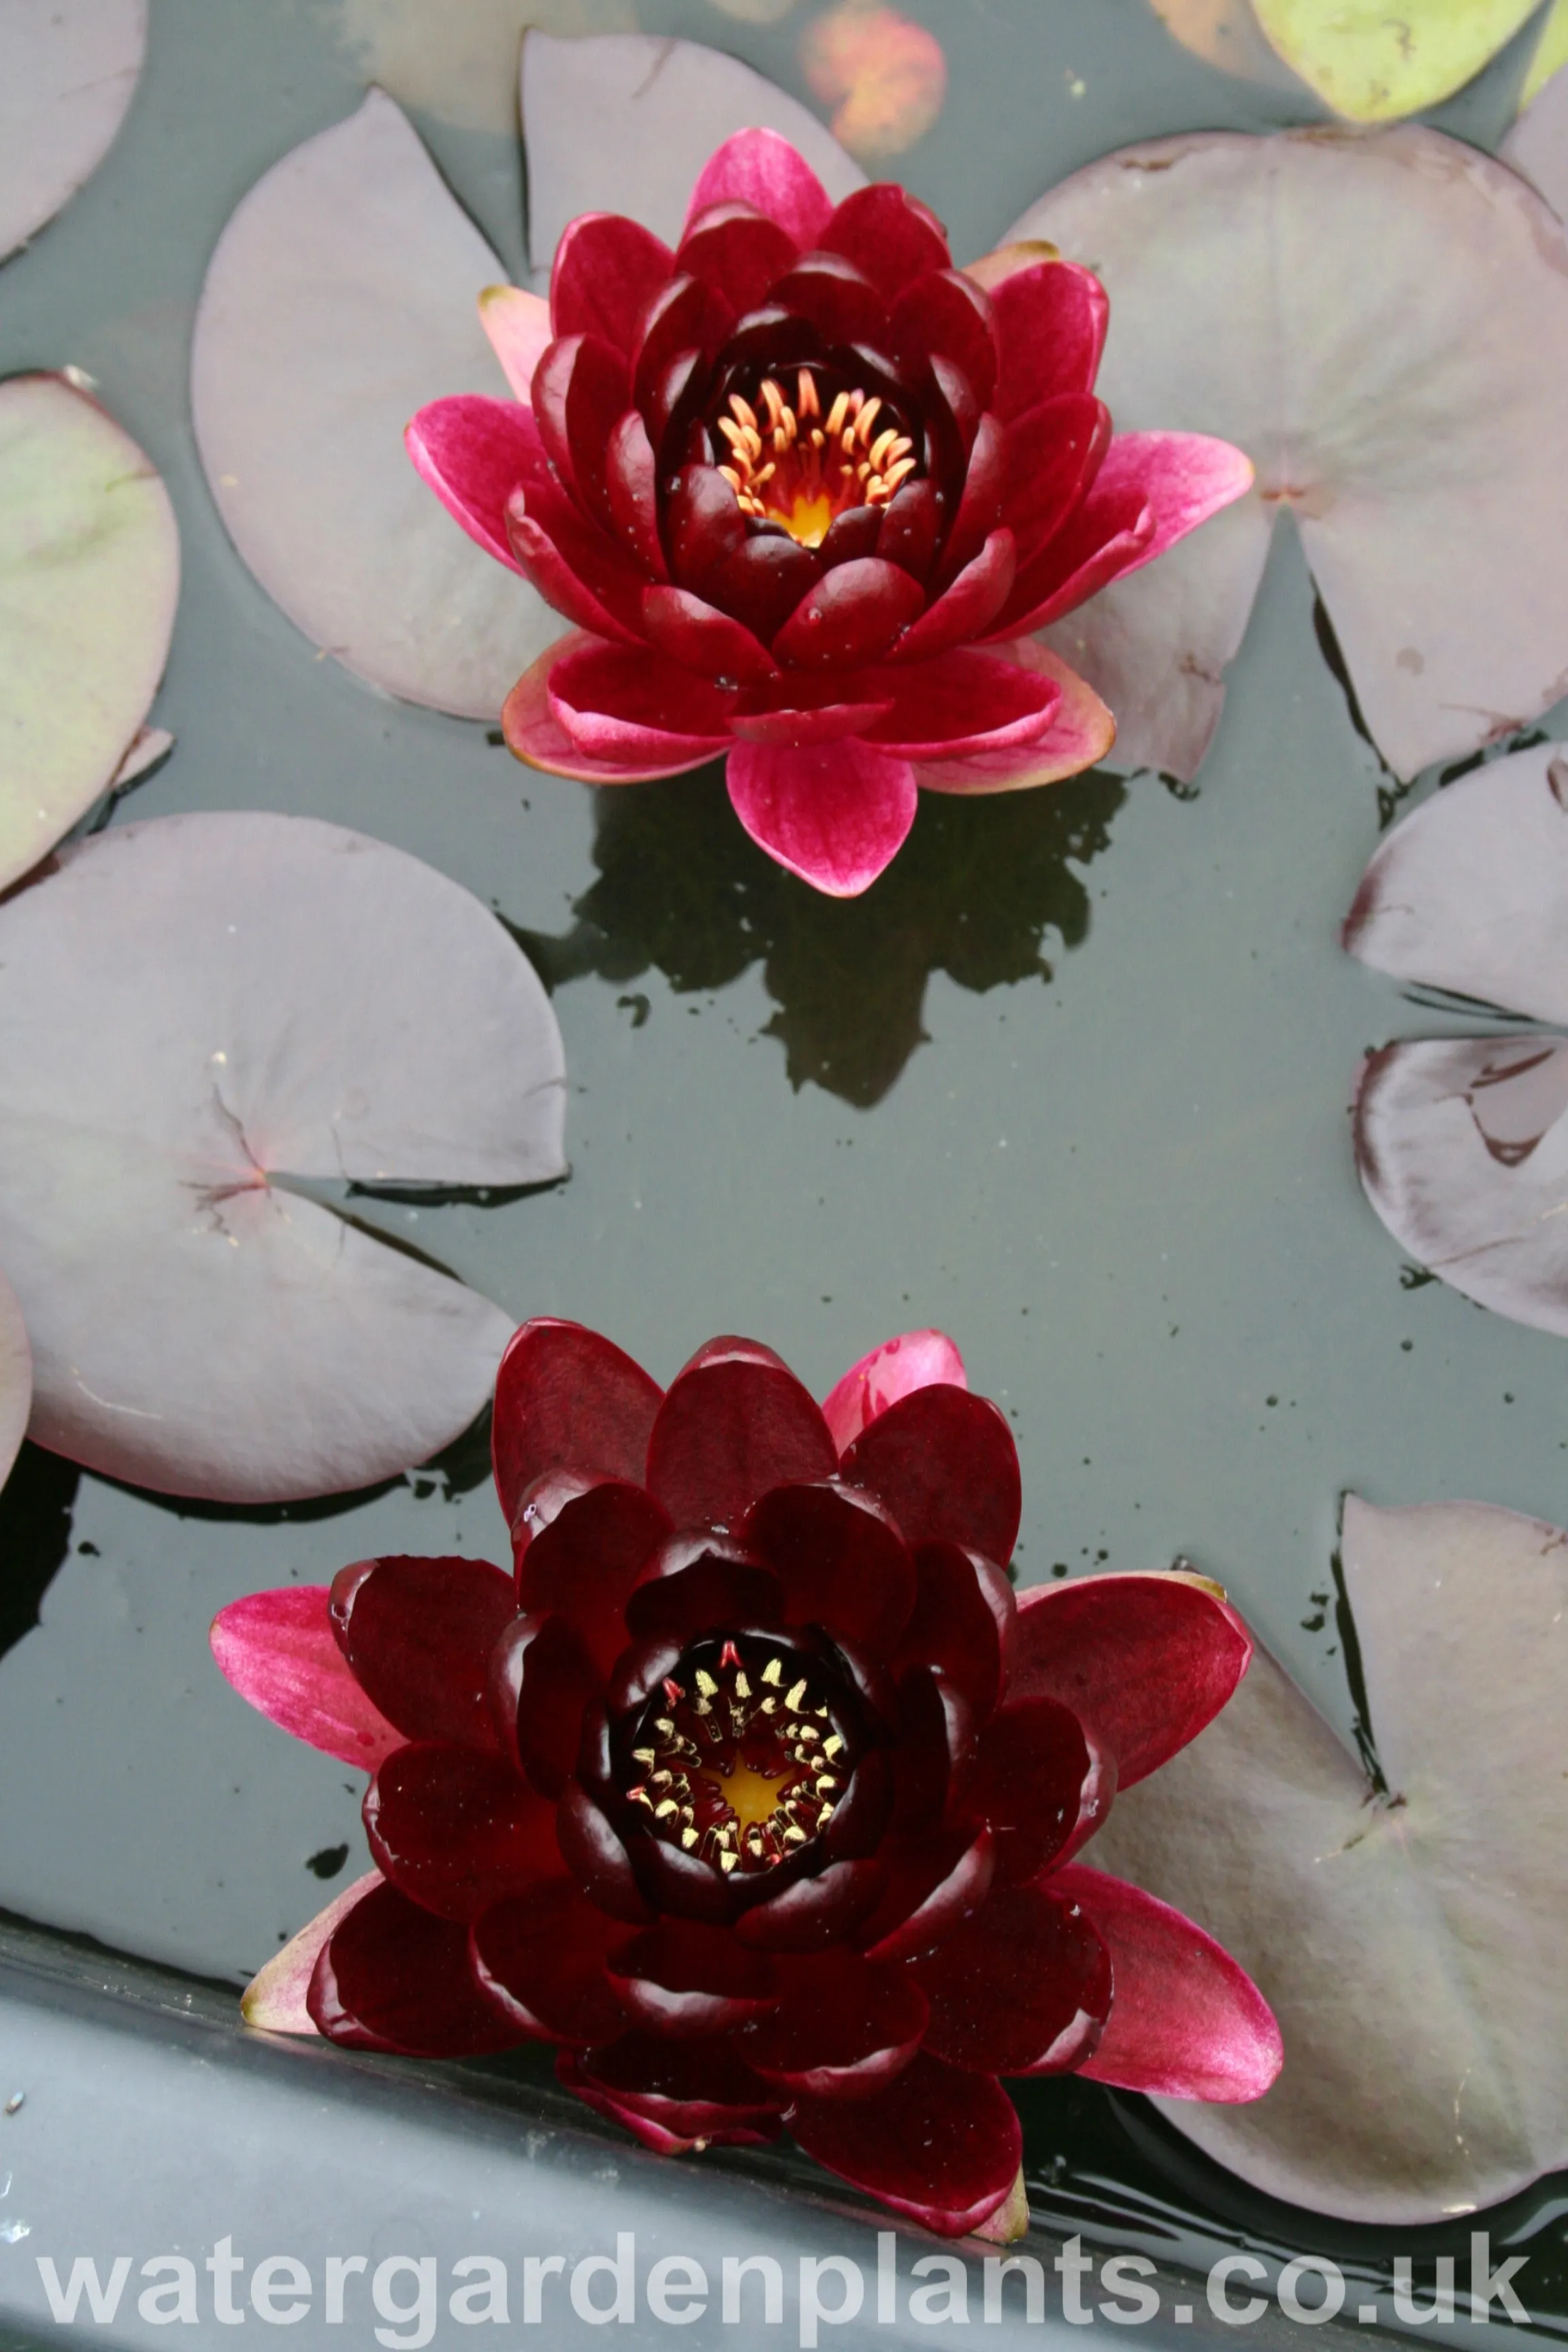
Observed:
{"x":341,"y":298}
{"x":1382,"y":323}
{"x":623,"y":122}
{"x":68,"y":69}
{"x":1226,"y":33}
{"x":189,"y":1010}
{"x":16,"y":1378}
{"x":1373,"y":63}
{"x":89,"y":573}
{"x":884,"y":77}
{"x":1409,"y":1931}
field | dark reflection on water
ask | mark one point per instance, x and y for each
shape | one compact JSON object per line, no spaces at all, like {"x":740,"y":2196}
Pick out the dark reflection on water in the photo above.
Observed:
{"x":34,"y":1536}
{"x":973,"y":893}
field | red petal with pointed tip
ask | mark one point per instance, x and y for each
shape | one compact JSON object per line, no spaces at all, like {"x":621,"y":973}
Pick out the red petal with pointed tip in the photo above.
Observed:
{"x":840,"y":1559}
{"x":836,"y":297}
{"x":738,"y":250}
{"x":963,"y":1622}
{"x":631,"y":490}
{"x":815,"y":1912}
{"x":911,"y":527}
{"x":596,"y":1858}
{"x":280,"y":1654}
{"x":760,"y":168}
{"x":1033,"y":1766}
{"x":700,"y":638}
{"x":726,"y":1433}
{"x":473,"y":452}
{"x":704,"y":525}
{"x":606,"y":272}
{"x":889,"y":234}
{"x":686,"y":1980}
{"x":798,"y":729}
{"x":456,"y":1831}
{"x":584,"y":1565}
{"x":1186,"y":2022}
{"x":392,"y":1977}
{"x":633,"y":707}
{"x":597,"y":398}
{"x":947,"y":312}
{"x":834,"y":813}
{"x":762,"y":580}
{"x":932,"y":1880}
{"x":984,"y":492}
{"x":1103,"y":540}
{"x":845,"y":2027}
{"x":541,"y":1679}
{"x":534,"y":734}
{"x":946,"y":1465}
{"x":1022,"y":1988}
{"x":915,"y":1360}
{"x":940,"y":2145}
{"x":936,"y":1740}
{"x":851,"y":615}
{"x":579,"y":570}
{"x":540,"y":1959}
{"x":417,"y":1634}
{"x":1143,"y":1661}
{"x":697,"y":1587}
{"x":1055,"y":451}
{"x":966,"y":607}
{"x":567,"y":1399}
{"x":694,"y":2090}
{"x":1050,"y":330}
{"x":964,"y":701}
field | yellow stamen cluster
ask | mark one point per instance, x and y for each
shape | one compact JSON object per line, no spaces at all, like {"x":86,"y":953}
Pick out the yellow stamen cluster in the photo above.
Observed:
{"x":796,"y":467}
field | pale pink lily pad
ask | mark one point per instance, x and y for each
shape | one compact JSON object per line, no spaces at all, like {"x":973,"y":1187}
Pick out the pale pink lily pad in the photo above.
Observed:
{"x":15,"y":1378}
{"x":623,"y":122}
{"x":1463,"y":1142}
{"x":69,"y":71}
{"x":1410,"y":1942}
{"x":1537,"y":143}
{"x":90,"y":575}
{"x":274,"y":1999}
{"x":341,"y":296}
{"x":1315,"y":298}
{"x":190,"y":1009}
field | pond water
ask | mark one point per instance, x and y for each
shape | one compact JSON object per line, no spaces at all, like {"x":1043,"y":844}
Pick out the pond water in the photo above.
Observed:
{"x":1069,"y":1083}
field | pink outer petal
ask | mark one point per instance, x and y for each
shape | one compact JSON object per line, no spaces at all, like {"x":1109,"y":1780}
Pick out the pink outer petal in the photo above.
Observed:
{"x":1144,"y":1660}
{"x":635,"y":710}
{"x":760,"y":168}
{"x":535,"y":736}
{"x":280,"y":1654}
{"x":517,"y":324}
{"x":1081,"y":733}
{"x":834,"y":813}
{"x":915,"y":1360}
{"x":1184,"y":478}
{"x":1186,"y":2022}
{"x":274,"y":1999}
{"x":962,"y":702}
{"x":474,"y":452}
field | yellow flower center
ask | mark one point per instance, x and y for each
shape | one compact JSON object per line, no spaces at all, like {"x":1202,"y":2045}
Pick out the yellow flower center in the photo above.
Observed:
{"x":794,"y":465}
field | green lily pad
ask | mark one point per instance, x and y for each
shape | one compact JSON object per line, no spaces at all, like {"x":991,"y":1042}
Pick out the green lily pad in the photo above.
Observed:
{"x":90,"y":572}
{"x":1373,"y":64}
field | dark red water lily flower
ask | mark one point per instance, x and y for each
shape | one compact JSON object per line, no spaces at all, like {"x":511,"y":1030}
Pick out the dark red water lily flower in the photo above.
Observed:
{"x":751,"y":1786}
{"x":806,"y":489}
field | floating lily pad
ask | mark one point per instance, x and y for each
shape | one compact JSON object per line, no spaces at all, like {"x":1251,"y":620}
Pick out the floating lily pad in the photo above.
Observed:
{"x":1463,"y":1142}
{"x":1314,"y":297}
{"x":1406,"y":1921}
{"x":1373,"y":63}
{"x":16,"y":1378}
{"x":89,"y":573}
{"x":193,"y":1011}
{"x":341,"y":298}
{"x":624,"y":123}
{"x":1537,"y":143}
{"x":68,"y":69}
